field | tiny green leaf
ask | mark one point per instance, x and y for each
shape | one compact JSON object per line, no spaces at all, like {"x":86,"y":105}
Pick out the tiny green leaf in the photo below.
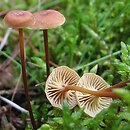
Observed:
{"x":94,"y":69}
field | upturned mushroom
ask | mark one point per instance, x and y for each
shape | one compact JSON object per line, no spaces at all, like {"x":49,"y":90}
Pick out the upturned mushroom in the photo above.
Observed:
{"x":92,"y":104}
{"x":92,"y":92}
{"x":62,"y":84}
{"x":20,"y":19}
{"x":44,"y":20}
{"x":57,"y":81}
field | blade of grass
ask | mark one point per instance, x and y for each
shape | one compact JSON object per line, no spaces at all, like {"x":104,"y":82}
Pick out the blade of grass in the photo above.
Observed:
{"x":9,"y":57}
{"x":96,"y":36}
{"x":97,"y":61}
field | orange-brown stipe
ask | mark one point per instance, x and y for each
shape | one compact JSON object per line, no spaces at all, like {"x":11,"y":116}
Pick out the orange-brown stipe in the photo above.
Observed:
{"x":22,"y":19}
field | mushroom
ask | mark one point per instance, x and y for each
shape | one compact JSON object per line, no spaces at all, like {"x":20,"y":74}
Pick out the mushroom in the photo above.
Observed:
{"x":91,"y":91}
{"x":44,"y":20}
{"x":21,"y":19}
{"x":92,"y":104}
{"x":57,"y":81}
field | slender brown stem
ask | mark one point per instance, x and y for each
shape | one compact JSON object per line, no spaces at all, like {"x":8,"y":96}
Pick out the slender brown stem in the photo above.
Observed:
{"x":22,"y":55}
{"x":45,"y":35}
{"x":119,"y":85}
{"x":95,"y":93}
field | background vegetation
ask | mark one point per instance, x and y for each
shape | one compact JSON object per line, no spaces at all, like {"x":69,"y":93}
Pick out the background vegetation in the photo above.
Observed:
{"x":95,"y":38}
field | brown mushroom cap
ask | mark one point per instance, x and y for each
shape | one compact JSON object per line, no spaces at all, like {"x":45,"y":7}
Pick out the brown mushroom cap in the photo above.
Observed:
{"x":47,"y":19}
{"x":59,"y":78}
{"x":92,"y":104}
{"x":19,"y":19}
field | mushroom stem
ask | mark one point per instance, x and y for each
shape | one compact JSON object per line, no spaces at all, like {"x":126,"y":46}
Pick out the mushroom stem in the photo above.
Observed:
{"x":99,"y":93}
{"x":45,"y":35}
{"x":22,"y":55}
{"x":119,"y":85}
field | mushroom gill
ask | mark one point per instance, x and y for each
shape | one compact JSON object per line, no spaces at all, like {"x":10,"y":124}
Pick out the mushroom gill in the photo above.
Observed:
{"x":92,"y":104}
{"x":57,"y":81}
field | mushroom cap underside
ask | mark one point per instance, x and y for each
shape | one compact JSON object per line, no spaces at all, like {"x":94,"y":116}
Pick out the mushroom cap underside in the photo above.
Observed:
{"x":59,"y":78}
{"x":92,"y":105}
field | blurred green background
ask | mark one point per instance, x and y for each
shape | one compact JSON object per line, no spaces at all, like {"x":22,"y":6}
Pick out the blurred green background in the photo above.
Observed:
{"x":89,"y":41}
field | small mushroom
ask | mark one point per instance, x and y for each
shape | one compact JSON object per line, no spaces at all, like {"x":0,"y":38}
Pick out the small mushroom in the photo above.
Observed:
{"x":44,"y":20}
{"x":21,"y":19}
{"x":47,"y":19}
{"x":91,"y":91}
{"x":57,"y":81}
{"x":92,"y":104}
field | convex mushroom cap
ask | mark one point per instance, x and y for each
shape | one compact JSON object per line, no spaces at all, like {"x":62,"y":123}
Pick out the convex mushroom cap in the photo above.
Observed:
{"x":60,"y":78}
{"x":92,"y":104}
{"x":19,"y":19}
{"x":47,"y":19}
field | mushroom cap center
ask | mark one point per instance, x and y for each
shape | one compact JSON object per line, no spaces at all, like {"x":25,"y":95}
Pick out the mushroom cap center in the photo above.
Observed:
{"x":19,"y":19}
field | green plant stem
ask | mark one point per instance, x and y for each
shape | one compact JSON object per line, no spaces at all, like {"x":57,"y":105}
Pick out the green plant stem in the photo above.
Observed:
{"x":22,"y":56}
{"x":45,"y":35}
{"x":97,"y":61}
{"x":103,"y":44}
{"x":9,"y":57}
{"x":95,"y":93}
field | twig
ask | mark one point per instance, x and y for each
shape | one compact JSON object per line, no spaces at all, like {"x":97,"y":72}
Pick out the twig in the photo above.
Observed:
{"x":32,"y":91}
{"x":13,"y":104}
{"x":16,"y":87}
{"x":14,"y":92}
{"x":53,"y":64}
{"x":36,"y":51}
{"x":5,"y":38}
